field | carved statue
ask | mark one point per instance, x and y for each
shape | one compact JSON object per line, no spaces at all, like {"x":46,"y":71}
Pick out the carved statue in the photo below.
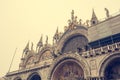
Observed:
{"x":107,"y":12}
{"x":75,"y":19}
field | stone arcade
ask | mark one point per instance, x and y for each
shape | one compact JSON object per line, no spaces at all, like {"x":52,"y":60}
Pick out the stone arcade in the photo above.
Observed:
{"x":84,"y":51}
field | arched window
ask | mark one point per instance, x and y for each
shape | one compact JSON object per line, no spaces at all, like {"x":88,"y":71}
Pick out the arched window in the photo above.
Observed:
{"x":34,"y":76}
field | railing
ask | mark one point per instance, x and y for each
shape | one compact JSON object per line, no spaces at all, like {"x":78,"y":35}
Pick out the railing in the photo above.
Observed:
{"x":102,"y":50}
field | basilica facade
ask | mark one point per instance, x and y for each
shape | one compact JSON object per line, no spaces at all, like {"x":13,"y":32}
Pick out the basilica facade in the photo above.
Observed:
{"x":84,"y":51}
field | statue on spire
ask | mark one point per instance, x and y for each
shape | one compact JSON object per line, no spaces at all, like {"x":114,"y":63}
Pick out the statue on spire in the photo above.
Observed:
{"x":107,"y":12}
{"x":72,"y":15}
{"x":75,"y":20}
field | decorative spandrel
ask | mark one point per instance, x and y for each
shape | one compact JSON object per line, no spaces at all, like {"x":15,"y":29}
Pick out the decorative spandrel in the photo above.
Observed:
{"x":68,"y":71}
{"x":75,"y":44}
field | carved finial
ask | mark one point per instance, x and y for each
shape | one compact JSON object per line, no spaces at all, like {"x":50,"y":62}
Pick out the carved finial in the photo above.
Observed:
{"x":72,"y":15}
{"x":107,"y":12}
{"x":26,"y":48}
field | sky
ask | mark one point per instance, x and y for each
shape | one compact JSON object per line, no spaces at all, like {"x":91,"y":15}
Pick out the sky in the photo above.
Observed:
{"x":26,"y":20}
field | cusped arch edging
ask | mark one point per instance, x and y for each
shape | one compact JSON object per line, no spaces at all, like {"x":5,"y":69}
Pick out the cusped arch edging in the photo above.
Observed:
{"x":80,"y":61}
{"x":32,"y":74}
{"x":70,"y":34}
{"x":104,"y":63}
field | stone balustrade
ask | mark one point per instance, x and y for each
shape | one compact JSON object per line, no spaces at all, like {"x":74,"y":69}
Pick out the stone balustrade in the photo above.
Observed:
{"x":102,"y":50}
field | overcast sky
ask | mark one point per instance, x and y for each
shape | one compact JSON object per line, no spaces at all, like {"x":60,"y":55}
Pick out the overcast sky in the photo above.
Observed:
{"x":25,"y":20}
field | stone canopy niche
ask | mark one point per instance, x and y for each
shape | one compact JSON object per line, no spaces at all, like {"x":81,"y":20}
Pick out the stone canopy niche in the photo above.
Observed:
{"x":68,"y":70}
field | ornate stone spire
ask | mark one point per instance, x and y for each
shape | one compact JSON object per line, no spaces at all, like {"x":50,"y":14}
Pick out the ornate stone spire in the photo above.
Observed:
{"x":40,"y":43}
{"x":26,"y":48}
{"x":94,"y":19}
{"x":93,"y":14}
